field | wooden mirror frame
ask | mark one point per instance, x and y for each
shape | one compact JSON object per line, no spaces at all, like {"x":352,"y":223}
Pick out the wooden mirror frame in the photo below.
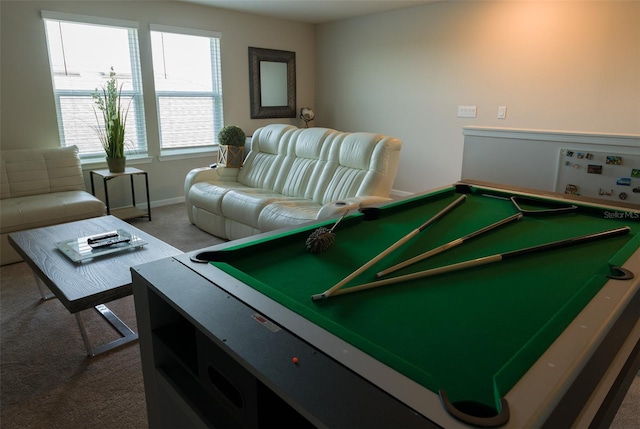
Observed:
{"x":258,"y":111}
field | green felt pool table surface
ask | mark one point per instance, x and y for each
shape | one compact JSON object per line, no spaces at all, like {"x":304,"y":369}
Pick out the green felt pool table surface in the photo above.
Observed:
{"x":472,"y":333}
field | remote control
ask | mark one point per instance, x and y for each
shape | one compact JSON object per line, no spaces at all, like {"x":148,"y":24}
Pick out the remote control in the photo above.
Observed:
{"x":111,"y":242}
{"x":100,"y":237}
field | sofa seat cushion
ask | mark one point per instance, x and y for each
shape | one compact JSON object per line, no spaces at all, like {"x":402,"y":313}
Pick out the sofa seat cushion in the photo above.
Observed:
{"x":287,"y":213}
{"x":245,"y":205}
{"x":48,"y":209}
{"x":209,"y":195}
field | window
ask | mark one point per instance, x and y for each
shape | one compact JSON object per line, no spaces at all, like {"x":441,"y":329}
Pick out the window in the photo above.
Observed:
{"x":186,"y":70}
{"x":81,"y":55}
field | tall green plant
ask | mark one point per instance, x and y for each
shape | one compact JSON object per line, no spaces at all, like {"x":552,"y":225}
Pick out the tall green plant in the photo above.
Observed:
{"x":114,"y":117}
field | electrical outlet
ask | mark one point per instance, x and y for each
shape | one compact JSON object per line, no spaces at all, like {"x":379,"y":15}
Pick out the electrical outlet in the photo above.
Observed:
{"x":466,"y":111}
{"x":502,"y":112}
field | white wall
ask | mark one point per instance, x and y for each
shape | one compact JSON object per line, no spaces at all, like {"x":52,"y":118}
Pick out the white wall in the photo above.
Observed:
{"x":27,"y":111}
{"x":557,"y":65}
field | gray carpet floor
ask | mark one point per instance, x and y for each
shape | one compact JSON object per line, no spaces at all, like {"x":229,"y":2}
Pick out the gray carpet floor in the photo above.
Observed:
{"x":46,"y":380}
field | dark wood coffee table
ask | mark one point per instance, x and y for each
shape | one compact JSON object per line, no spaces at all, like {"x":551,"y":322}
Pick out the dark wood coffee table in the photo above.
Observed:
{"x":89,"y":283}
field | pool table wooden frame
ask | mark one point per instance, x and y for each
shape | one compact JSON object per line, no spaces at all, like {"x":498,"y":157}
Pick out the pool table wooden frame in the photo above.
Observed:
{"x":579,"y":381}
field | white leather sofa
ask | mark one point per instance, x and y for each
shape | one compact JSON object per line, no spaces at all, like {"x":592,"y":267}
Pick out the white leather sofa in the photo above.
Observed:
{"x":291,"y":176}
{"x":41,"y":187}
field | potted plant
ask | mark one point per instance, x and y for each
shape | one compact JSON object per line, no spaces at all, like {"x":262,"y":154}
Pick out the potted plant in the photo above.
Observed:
{"x":111,"y":129}
{"x":231,"y":149}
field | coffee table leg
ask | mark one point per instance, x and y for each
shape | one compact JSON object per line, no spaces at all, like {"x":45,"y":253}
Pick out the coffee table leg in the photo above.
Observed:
{"x":127,"y":334}
{"x":44,"y":290}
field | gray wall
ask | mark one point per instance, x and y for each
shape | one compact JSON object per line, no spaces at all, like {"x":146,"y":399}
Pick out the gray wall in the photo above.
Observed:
{"x":27,"y":114}
{"x":556,"y":65}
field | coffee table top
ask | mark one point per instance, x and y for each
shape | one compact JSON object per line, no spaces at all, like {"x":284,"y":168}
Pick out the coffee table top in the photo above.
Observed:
{"x":85,"y":284}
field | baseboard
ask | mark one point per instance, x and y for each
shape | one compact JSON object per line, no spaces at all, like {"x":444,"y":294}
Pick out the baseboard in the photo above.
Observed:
{"x":160,"y":203}
{"x":395,"y":193}
{"x":167,"y":202}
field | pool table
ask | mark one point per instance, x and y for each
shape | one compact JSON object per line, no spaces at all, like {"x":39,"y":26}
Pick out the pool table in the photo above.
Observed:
{"x":548,"y":336}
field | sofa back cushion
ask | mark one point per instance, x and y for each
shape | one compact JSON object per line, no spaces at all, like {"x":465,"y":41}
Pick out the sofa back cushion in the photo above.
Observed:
{"x":359,"y":164}
{"x":25,"y":172}
{"x":264,"y":160}
{"x":320,"y":164}
{"x":307,"y":155}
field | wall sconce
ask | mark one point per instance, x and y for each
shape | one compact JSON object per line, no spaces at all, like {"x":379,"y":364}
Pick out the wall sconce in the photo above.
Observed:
{"x":307,"y":115}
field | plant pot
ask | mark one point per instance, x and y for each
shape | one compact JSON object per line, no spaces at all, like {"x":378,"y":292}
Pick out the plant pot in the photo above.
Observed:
{"x":116,"y":165}
{"x":230,"y":156}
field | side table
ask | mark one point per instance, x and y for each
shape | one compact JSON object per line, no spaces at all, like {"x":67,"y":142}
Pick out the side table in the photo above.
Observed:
{"x":127,"y":212}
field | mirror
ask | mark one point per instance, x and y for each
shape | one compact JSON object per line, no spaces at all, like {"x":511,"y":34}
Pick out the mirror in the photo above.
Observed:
{"x":272,"y":83}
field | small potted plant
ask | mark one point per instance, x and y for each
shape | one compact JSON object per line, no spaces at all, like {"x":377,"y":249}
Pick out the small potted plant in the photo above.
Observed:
{"x":111,"y":129}
{"x":231,"y":149}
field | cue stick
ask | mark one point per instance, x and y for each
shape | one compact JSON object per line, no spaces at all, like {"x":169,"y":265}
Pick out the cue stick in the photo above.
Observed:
{"x":488,"y":259}
{"x":389,"y":249}
{"x":449,"y":245}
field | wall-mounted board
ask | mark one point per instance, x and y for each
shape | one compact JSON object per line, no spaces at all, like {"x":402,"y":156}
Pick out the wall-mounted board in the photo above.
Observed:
{"x":533,"y":159}
{"x":606,"y":175}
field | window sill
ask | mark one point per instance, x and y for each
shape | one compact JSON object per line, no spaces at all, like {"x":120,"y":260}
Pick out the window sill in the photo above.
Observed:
{"x":95,"y":163}
{"x":175,"y":154}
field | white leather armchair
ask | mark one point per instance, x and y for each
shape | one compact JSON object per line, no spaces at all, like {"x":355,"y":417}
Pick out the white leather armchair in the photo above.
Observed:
{"x":41,"y":187}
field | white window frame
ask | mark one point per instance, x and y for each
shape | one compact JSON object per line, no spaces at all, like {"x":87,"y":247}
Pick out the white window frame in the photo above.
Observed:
{"x":139,"y":127}
{"x":215,"y":94}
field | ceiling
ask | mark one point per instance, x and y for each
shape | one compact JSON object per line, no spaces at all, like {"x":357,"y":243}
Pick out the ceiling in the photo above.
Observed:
{"x":312,"y":11}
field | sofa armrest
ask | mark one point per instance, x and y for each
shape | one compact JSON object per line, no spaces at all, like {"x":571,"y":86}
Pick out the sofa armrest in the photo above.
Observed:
{"x":336,"y":208}
{"x":210,"y":174}
{"x":196,"y":175}
{"x":207,"y":174}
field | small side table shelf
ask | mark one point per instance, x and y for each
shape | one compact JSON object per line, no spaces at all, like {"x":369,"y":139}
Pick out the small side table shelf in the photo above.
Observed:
{"x":127,"y":212}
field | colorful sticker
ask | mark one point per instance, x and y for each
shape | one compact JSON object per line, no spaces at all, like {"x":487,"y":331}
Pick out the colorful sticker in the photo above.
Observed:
{"x":594,"y":169}
{"x":614,"y":160}
{"x":623,"y":181}
{"x":571,"y":189}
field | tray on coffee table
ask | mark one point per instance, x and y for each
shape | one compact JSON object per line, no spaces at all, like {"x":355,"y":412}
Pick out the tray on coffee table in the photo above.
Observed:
{"x":91,"y":246}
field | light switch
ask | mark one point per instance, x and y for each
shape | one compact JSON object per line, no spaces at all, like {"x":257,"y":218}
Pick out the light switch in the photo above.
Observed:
{"x":502,"y":112}
{"x":466,"y":111}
